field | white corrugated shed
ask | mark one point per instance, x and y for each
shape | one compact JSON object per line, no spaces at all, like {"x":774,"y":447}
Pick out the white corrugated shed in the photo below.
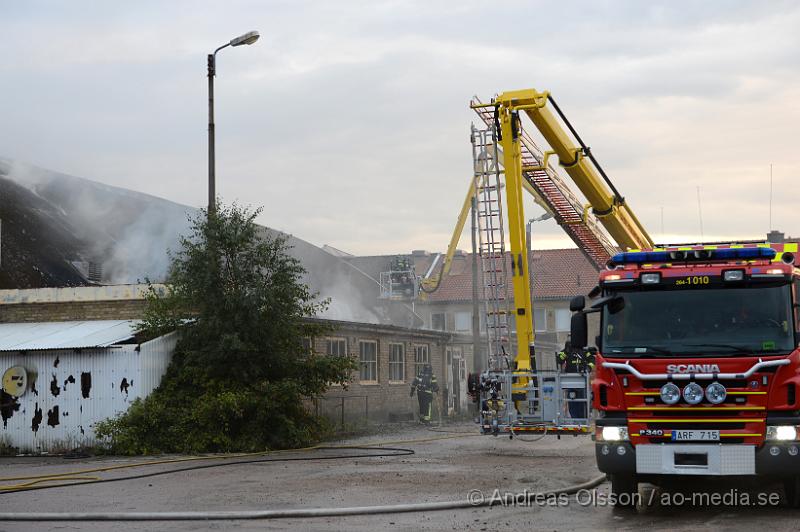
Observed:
{"x":72,"y":388}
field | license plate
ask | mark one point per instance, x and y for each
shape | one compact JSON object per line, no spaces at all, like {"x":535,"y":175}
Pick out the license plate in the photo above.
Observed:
{"x":695,"y":435}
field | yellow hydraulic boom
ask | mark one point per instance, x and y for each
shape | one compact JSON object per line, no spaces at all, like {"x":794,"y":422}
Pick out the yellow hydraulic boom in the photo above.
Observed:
{"x":432,"y":283}
{"x":606,"y":203}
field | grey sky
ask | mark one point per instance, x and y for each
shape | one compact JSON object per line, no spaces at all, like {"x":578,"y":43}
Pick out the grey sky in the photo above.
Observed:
{"x":348,"y":121}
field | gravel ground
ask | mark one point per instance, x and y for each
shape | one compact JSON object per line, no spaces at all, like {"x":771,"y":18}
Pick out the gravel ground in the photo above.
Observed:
{"x":440,"y":470}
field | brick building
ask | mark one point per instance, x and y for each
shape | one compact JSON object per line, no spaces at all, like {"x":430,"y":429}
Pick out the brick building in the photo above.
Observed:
{"x":389,"y":356}
{"x":557,"y":276}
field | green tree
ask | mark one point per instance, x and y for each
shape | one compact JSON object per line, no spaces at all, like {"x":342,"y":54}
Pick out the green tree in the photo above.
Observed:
{"x":240,"y":378}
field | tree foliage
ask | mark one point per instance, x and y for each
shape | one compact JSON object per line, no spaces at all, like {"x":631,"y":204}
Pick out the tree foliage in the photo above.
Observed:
{"x":240,"y":378}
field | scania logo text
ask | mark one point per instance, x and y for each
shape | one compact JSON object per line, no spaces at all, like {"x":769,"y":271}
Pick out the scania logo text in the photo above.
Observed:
{"x":692,"y":368}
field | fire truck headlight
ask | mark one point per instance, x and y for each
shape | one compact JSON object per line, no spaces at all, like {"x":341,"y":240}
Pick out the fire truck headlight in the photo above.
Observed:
{"x":693,"y":393}
{"x":781,"y":433}
{"x":615,"y":433}
{"x":716,"y":393}
{"x":670,"y":393}
{"x":733,"y":275}
{"x":651,"y":278}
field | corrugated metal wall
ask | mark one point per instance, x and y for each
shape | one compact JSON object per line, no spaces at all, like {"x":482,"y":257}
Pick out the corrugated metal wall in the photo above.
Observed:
{"x":75,"y":389}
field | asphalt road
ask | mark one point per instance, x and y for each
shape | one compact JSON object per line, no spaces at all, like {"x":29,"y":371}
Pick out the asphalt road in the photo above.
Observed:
{"x":440,"y":470}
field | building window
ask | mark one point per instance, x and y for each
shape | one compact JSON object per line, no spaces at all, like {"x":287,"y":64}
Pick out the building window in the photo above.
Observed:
{"x":308,"y":345}
{"x":422,"y":357}
{"x":336,"y":347}
{"x":397,"y":362}
{"x":562,"y":319}
{"x":368,"y":357}
{"x":438,"y":321}
{"x":463,"y":322}
{"x":540,"y":319}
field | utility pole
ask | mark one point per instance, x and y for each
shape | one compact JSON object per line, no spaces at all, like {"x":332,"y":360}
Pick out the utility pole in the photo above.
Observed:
{"x":248,"y":38}
{"x":212,"y":191}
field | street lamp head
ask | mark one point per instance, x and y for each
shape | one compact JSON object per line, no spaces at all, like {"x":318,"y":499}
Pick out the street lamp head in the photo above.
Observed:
{"x":248,"y":38}
{"x":543,"y":217}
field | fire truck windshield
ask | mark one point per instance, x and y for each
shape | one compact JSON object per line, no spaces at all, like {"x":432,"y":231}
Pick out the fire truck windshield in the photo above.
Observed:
{"x":703,"y":322}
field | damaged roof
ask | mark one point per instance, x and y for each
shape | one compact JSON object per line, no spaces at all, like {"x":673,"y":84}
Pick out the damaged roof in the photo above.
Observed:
{"x":40,"y":336}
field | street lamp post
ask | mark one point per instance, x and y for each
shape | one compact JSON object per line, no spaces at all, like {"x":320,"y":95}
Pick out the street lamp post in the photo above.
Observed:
{"x":248,"y":38}
{"x":528,"y":236}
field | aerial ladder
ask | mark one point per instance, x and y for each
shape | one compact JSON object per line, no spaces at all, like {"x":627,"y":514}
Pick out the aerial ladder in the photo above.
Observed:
{"x":515,"y":396}
{"x":583,"y":223}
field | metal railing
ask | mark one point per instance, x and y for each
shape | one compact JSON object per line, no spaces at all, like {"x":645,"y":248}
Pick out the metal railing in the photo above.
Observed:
{"x":344,"y":411}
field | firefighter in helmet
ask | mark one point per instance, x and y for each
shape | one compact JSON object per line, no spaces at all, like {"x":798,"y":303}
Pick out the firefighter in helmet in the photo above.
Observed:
{"x":425,"y":385}
{"x":571,"y":360}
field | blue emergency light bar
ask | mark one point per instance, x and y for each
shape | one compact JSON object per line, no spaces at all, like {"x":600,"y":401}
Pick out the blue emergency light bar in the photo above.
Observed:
{"x":641,"y":257}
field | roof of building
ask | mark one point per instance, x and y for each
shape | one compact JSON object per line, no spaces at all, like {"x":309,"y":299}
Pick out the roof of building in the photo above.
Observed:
{"x":556,"y":273}
{"x":562,"y":274}
{"x":40,"y":336}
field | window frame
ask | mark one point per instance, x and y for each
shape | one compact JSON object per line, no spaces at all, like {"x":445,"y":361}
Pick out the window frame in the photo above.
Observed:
{"x":417,"y":364}
{"x":307,"y":344}
{"x":540,"y":325}
{"x":362,"y":363}
{"x":338,"y":340}
{"x":469,"y":321}
{"x":393,"y":364}
{"x":444,"y":321}
{"x":564,"y":312}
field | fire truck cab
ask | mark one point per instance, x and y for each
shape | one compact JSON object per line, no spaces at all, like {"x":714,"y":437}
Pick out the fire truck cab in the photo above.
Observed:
{"x":697,"y":364}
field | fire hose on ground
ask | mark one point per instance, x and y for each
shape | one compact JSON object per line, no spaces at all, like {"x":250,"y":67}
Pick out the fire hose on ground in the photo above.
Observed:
{"x":278,"y":514}
{"x":34,"y":483}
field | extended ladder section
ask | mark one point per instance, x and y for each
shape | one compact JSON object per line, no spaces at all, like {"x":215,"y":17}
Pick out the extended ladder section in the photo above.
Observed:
{"x":605,"y":202}
{"x":549,"y":190}
{"x":487,"y":184}
{"x":518,"y":397}
{"x":574,"y":218}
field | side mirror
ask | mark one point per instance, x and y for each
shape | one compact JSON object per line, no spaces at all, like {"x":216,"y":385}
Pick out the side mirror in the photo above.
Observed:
{"x":614,"y":304}
{"x":577,"y":303}
{"x":578,"y":330}
{"x":594,"y":292}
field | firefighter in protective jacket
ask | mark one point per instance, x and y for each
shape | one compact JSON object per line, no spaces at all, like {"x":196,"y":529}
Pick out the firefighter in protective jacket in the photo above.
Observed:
{"x":570,"y":360}
{"x":425,"y":385}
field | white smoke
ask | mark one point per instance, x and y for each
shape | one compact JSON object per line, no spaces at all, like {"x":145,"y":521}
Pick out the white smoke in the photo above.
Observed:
{"x":126,"y":232}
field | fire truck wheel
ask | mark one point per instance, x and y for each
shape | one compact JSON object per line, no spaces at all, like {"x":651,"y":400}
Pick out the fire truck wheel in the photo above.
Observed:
{"x":791,"y":488}
{"x":624,"y":488}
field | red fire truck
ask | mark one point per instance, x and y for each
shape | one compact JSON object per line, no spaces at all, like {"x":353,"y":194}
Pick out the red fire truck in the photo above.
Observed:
{"x":697,"y":365}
